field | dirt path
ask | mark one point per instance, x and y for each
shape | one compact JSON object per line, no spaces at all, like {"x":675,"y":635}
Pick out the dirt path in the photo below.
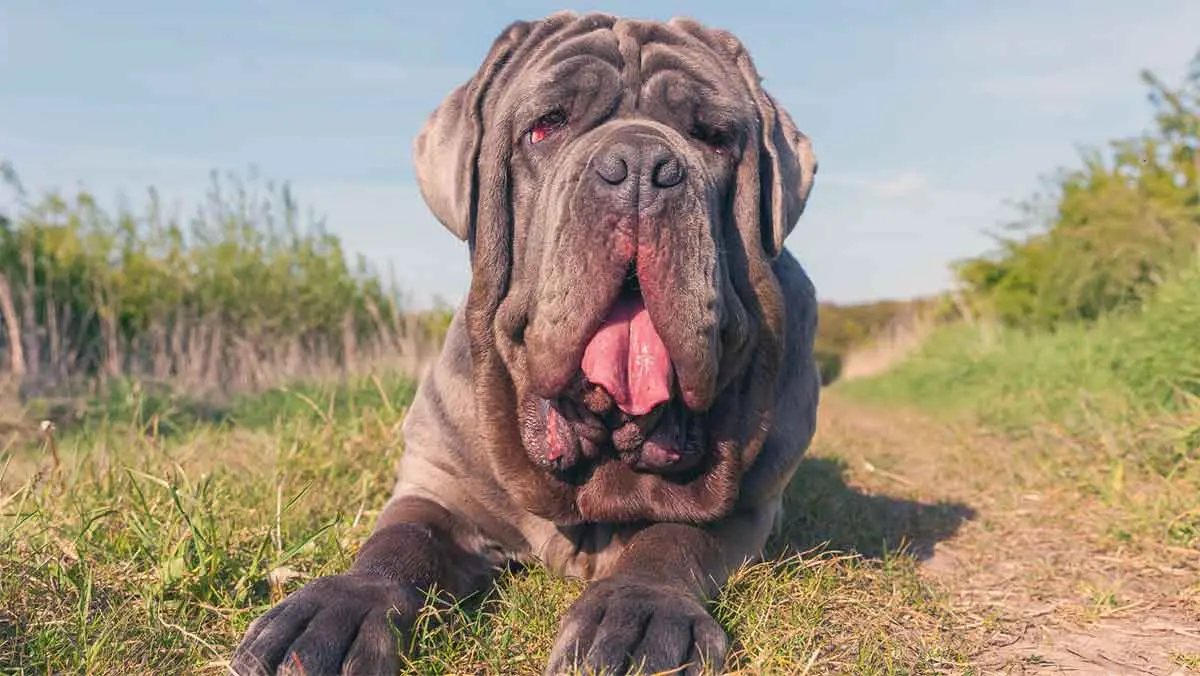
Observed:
{"x":1031,"y":567}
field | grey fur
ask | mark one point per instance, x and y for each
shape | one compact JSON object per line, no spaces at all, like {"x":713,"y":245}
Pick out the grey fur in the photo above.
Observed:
{"x":551,"y":248}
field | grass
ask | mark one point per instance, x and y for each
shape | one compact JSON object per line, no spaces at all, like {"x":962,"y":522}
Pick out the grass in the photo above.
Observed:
{"x":140,"y":544}
{"x":164,"y":532}
{"x":985,"y":484}
{"x":1126,"y":367}
{"x":1116,"y":405}
{"x":1191,"y":662}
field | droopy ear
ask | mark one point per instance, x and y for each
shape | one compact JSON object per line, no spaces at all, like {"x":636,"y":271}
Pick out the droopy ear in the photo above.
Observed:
{"x":446,"y":150}
{"x":787,"y":164}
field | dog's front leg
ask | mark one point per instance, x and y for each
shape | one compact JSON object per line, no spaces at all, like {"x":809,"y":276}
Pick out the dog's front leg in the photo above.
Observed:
{"x":342,"y":624}
{"x":649,"y":614}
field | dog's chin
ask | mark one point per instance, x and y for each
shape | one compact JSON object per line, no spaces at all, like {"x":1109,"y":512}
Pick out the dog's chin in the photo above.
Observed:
{"x":582,"y":428}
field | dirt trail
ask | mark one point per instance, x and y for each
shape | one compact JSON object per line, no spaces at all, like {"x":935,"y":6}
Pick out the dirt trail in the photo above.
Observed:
{"x":1030,"y":571}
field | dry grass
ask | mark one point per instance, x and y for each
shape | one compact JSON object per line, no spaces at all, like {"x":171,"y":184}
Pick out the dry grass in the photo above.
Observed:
{"x":898,"y":340}
{"x":206,"y":358}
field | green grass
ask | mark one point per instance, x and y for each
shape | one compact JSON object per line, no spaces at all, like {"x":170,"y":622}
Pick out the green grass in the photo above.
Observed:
{"x":170,"y":525}
{"x":170,"y":411}
{"x":142,"y":543}
{"x":1125,"y":367}
{"x":1117,"y":403}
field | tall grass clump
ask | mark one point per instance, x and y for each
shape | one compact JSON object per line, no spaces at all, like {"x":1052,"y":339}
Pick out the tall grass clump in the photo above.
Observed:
{"x":241,"y":294}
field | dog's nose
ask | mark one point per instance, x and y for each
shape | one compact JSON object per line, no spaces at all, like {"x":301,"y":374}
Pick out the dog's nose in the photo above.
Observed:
{"x":612,"y":167}
{"x":639,"y":169}
{"x":667,"y":170}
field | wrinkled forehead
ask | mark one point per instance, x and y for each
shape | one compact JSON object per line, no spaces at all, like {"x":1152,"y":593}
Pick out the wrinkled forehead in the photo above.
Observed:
{"x":636,"y":67}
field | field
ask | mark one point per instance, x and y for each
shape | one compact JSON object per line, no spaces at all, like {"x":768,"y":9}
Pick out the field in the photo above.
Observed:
{"x":915,"y":543}
{"x":995,"y":500}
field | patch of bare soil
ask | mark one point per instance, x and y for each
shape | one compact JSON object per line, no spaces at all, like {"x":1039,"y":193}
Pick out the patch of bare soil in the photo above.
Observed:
{"x":1044,"y":602}
{"x":1033,"y":576}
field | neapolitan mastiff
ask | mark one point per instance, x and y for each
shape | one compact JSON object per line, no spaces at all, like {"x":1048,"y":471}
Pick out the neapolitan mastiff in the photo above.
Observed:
{"x":628,"y":386}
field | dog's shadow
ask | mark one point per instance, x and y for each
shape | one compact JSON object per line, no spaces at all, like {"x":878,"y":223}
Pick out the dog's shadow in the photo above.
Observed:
{"x":822,"y":510}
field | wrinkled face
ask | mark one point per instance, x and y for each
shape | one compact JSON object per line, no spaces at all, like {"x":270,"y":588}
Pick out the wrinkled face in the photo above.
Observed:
{"x":625,"y":186}
{"x":621,"y":304}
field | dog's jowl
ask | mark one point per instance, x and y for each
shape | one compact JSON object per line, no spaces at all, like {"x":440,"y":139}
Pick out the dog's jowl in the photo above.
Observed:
{"x":627,"y":387}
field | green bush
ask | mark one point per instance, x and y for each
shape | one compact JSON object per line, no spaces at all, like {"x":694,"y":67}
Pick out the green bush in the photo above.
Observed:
{"x":829,"y":365}
{"x":1106,"y":234}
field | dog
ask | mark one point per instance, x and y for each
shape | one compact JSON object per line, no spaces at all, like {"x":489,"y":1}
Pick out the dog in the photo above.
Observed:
{"x":629,"y":384}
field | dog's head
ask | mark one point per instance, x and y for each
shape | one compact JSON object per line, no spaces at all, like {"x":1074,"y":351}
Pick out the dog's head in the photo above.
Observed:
{"x":624,"y":187}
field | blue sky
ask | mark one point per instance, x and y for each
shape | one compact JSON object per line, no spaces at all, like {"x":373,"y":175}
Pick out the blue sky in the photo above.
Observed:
{"x":929,"y":116}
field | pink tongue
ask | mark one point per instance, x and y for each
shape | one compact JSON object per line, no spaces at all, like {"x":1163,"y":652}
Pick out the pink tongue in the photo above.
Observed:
{"x":628,"y":359}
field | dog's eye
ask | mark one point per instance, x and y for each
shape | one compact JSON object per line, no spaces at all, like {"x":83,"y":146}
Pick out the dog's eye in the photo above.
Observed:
{"x":716,"y":140}
{"x":546,"y":125}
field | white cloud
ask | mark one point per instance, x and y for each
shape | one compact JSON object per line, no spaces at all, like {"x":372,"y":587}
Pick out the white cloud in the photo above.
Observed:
{"x":901,"y":185}
{"x":1052,"y":91}
{"x":890,"y":235}
{"x":898,"y":184}
{"x":242,"y":74}
{"x":1059,"y":58}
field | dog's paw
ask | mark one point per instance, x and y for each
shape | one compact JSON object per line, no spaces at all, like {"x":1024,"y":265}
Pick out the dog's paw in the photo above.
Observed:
{"x":341,"y":624}
{"x":621,"y":626}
